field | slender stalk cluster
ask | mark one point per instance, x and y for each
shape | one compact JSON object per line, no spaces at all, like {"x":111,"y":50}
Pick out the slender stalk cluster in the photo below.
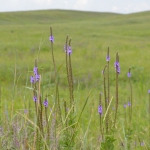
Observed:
{"x":40,"y":115}
{"x":68,"y":51}
{"x":70,"y":119}
{"x":35,"y":80}
{"x":106,"y":85}
{"x":57,"y":108}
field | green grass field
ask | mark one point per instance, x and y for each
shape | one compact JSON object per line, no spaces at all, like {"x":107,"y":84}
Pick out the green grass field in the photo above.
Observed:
{"x":24,"y":36}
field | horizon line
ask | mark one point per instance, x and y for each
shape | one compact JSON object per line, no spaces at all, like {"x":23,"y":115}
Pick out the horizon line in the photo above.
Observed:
{"x":32,"y":10}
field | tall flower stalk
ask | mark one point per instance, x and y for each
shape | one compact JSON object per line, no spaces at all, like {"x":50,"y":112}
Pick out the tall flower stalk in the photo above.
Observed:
{"x":130,"y":99}
{"x":35,"y":81}
{"x":54,"y":118}
{"x":104,"y":86}
{"x":46,"y":118}
{"x":68,"y":51}
{"x":100,"y":111}
{"x":70,"y":74}
{"x":70,"y":120}
{"x":105,"y":94}
{"x":67,"y":70}
{"x":108,"y":90}
{"x":117,"y":68}
{"x":51,"y":38}
{"x":125,"y":116}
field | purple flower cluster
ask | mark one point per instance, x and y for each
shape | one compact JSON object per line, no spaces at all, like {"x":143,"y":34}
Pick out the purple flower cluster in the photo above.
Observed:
{"x":26,"y":111}
{"x":142,"y":144}
{"x":129,"y":104}
{"x":32,"y":79}
{"x":117,"y":66}
{"x":107,"y":58}
{"x":51,"y":38}
{"x":148,"y":91}
{"x":68,"y":50}
{"x":45,"y":103}
{"x":129,"y":74}
{"x":36,"y":76}
{"x":35,"y":70}
{"x":125,"y":105}
{"x":34,"y":98}
{"x":100,"y":110}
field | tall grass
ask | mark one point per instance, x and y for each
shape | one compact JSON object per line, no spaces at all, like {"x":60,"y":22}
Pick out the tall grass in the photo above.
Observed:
{"x":58,"y":128}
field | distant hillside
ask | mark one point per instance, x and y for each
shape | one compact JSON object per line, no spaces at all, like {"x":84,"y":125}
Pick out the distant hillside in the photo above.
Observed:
{"x":49,"y":16}
{"x":60,"y":16}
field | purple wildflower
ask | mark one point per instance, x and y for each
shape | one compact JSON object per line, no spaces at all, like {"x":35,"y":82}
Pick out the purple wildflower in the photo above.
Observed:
{"x":124,"y":105}
{"x":142,"y":143}
{"x":37,"y":77}
{"x":117,"y":66}
{"x":32,"y":80}
{"x":129,"y":104}
{"x":68,"y":49}
{"x":25,"y":111}
{"x":45,"y":103}
{"x":107,"y":58}
{"x":51,"y":38}
{"x":148,"y":91}
{"x":100,"y":110}
{"x":129,"y":74}
{"x":34,"y":98}
{"x":35,"y":70}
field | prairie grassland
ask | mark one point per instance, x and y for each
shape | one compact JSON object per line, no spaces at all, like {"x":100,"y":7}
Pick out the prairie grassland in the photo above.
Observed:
{"x":24,"y":37}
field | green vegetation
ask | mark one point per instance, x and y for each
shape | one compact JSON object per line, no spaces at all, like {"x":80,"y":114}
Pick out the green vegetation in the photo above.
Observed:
{"x":25,"y":37}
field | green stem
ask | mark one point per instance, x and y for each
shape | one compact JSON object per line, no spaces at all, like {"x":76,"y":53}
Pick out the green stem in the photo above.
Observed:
{"x":108,"y":90}
{"x":130,"y":100}
{"x":116,"y":106}
{"x":100,"y":104}
{"x":71,"y":82}
{"x":51,"y":34}
{"x":105,"y":95}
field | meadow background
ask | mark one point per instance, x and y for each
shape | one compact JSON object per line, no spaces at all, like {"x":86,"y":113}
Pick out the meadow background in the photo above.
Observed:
{"x":24,"y":36}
